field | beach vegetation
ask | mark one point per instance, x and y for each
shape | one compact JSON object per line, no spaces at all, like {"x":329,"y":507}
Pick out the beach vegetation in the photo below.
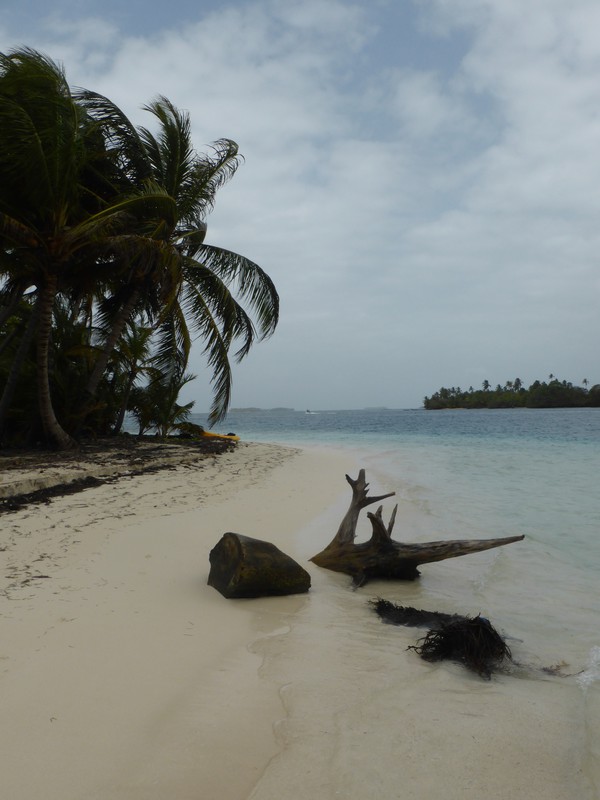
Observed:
{"x":102,"y":251}
{"x":540,"y":394}
{"x":155,"y":406}
{"x":131,"y":361}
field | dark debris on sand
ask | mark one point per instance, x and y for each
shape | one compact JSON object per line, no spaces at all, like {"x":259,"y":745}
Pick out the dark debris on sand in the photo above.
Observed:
{"x":123,"y":455}
{"x":472,"y":641}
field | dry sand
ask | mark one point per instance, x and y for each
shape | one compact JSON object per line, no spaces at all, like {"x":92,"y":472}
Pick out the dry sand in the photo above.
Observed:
{"x":123,"y":676}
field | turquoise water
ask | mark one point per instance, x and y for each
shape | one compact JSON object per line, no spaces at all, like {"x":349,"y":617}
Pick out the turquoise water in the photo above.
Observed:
{"x":474,"y":474}
{"x":478,"y":474}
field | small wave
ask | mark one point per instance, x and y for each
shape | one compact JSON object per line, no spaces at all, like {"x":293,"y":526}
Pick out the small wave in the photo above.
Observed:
{"x":592,"y":671}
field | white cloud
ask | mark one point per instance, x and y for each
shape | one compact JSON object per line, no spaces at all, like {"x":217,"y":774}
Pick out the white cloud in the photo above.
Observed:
{"x":422,"y":222}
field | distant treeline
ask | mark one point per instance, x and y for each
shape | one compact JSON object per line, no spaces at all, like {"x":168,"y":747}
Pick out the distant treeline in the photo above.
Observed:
{"x":553,"y":394}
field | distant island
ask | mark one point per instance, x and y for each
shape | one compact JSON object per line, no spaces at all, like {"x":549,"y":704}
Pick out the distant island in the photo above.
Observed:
{"x":541,"y":394}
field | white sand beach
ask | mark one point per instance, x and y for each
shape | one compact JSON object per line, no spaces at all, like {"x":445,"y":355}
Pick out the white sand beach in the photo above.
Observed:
{"x":124,"y":676}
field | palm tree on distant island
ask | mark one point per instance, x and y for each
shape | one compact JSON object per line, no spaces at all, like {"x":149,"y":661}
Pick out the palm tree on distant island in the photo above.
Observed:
{"x":556,"y":394}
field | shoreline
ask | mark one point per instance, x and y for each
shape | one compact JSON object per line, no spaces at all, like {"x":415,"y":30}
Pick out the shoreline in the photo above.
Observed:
{"x":124,"y":675}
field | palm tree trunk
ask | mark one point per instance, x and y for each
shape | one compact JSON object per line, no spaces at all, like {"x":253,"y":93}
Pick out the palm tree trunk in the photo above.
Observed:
{"x":15,"y":368}
{"x":53,"y":430}
{"x":123,"y":410}
{"x":117,"y":329}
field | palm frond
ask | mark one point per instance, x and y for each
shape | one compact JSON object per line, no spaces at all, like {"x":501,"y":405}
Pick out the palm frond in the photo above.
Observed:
{"x":213,"y":314}
{"x":120,"y":135}
{"x":18,"y":233}
{"x":40,"y":148}
{"x":205,"y":176}
{"x":203,"y":289}
{"x":172,"y":153}
{"x":247,"y":281}
{"x":23,"y":159}
{"x":145,"y":210}
{"x":173,"y":342}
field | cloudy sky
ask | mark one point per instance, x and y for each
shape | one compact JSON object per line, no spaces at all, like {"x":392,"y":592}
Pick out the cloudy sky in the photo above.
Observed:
{"x":421,"y":177}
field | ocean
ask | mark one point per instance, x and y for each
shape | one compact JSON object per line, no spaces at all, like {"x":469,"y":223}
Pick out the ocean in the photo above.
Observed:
{"x":475,"y":474}
{"x":461,"y":474}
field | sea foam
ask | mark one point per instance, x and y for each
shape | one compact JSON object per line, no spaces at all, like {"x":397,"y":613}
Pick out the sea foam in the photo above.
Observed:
{"x":592,"y":672}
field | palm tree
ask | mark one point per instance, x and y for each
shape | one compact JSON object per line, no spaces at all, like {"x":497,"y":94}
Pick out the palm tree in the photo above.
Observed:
{"x":112,"y":219}
{"x":194,"y":289}
{"x":57,"y":217}
{"x":133,"y":355}
{"x":156,"y":404}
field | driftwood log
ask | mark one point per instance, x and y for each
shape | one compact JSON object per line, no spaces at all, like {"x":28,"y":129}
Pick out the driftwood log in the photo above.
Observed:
{"x":381,"y":556}
{"x":246,"y":567}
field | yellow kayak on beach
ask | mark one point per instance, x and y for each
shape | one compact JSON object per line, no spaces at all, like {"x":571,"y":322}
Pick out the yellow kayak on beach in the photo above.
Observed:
{"x":229,"y":436}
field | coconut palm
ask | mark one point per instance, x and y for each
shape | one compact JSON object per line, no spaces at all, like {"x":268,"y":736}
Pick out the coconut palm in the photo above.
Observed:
{"x":112,"y":219}
{"x":196,"y":289}
{"x":61,"y":221}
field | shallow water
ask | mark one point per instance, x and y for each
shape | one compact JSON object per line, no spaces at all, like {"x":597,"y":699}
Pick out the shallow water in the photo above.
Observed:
{"x":488,"y":473}
{"x":476,"y":474}
{"x":364,"y":717}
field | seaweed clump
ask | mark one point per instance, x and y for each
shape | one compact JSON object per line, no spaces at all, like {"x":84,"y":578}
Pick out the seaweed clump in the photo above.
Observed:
{"x":472,"y":641}
{"x":411,"y":617}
